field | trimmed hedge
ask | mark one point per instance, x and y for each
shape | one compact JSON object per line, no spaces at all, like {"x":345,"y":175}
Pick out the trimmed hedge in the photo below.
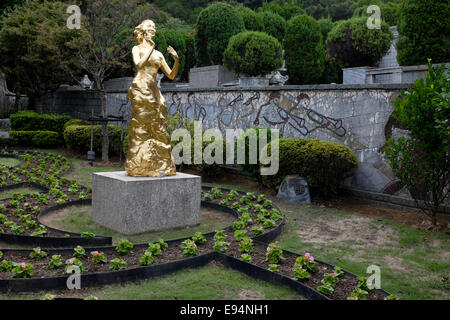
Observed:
{"x":323,"y":164}
{"x":31,"y":121}
{"x":304,"y":50}
{"x":424,"y":32}
{"x":216,"y":24}
{"x":253,"y":53}
{"x":285,"y":10}
{"x":273,"y":23}
{"x":35,"y":138}
{"x":251,"y":19}
{"x":78,"y":138}
{"x":355,"y":45}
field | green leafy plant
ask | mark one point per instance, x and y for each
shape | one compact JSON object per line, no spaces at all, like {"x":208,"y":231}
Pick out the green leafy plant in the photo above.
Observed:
{"x":98,"y":257}
{"x":301,"y":273}
{"x":88,"y":234}
{"x":73,"y":264}
{"x":257,"y":230}
{"x":79,"y":252}
{"x":220,"y":235}
{"x":238,"y":225}
{"x":326,"y":289}
{"x":391,"y":297}
{"x":359,"y":294}
{"x":147,"y":259}
{"x":273,"y":267}
{"x":154,"y":249}
{"x":91,"y":298}
{"x":23,"y":270}
{"x":246,"y":245}
{"x":40,"y":231}
{"x":17,"y":229}
{"x":240,"y":234}
{"x":55,"y":262}
{"x":232,"y":195}
{"x":124,"y":246}
{"x":189,"y":248}
{"x":306,"y":262}
{"x":6,"y":266}
{"x":38,"y":254}
{"x":118,"y":264}
{"x":246,"y":257}
{"x":220,"y":246}
{"x":199,"y":238}
{"x":216,"y":193}
{"x":274,"y":253}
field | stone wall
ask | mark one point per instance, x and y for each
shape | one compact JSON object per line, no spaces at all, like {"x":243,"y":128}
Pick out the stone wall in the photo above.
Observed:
{"x":353,"y":115}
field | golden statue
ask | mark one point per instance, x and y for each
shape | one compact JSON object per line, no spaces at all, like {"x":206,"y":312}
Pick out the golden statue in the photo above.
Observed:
{"x":149,"y":150}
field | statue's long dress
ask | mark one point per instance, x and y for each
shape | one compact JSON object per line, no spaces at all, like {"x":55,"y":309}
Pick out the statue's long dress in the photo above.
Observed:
{"x":149,"y":150}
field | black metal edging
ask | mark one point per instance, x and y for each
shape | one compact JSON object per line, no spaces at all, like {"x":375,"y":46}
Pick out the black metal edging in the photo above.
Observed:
{"x":105,"y":278}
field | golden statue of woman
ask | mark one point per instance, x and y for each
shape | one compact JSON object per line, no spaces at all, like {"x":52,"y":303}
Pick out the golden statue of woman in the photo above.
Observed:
{"x":149,"y":149}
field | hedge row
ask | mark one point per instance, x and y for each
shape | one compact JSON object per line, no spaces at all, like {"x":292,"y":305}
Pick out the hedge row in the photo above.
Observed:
{"x":31,"y":121}
{"x":78,"y":138}
{"x":40,"y":138}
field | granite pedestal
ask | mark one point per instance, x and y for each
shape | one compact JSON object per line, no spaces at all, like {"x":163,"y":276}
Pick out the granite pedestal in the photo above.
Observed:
{"x":132,"y":205}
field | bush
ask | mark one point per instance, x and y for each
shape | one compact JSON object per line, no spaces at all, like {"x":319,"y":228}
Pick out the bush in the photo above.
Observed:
{"x":422,"y":162}
{"x":190,"y":56}
{"x":325,"y":26}
{"x":390,"y":11}
{"x":424,"y":31}
{"x":253,"y":53}
{"x":78,"y":122}
{"x":323,"y":164}
{"x":176,"y":39}
{"x":285,"y":10}
{"x":304,"y":50}
{"x":78,"y":138}
{"x":273,"y":24}
{"x":252,"y":21}
{"x":32,"y":121}
{"x":35,"y":138}
{"x":216,"y":24}
{"x":355,"y":45}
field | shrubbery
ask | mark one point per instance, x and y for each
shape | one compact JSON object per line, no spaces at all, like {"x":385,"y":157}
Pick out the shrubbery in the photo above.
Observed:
{"x":304,"y":50}
{"x":273,"y":24}
{"x":39,"y":138}
{"x":285,"y":10}
{"x":390,"y":11}
{"x":32,"y":121}
{"x":78,"y":138}
{"x":252,"y":21}
{"x":323,"y":164}
{"x":354,"y":45}
{"x":216,"y":24}
{"x":253,"y":53}
{"x":424,"y":31}
{"x":176,"y":39}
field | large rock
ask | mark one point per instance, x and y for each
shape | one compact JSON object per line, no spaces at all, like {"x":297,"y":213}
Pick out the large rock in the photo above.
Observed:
{"x":132,"y":205}
{"x":294,"y":189}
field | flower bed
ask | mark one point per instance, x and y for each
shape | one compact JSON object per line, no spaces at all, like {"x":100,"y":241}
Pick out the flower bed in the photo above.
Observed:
{"x":242,"y":246}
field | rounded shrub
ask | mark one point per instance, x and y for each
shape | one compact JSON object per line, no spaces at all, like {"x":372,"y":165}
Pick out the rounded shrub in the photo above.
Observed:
{"x":253,"y":53}
{"x":251,"y":19}
{"x":390,"y":11}
{"x":325,"y":26}
{"x":355,"y":45}
{"x":304,"y":50}
{"x":424,"y":30}
{"x":216,"y":24}
{"x":273,"y":24}
{"x":285,"y":10}
{"x":176,"y":39}
{"x":38,"y":138}
{"x":323,"y":164}
{"x":32,"y":121}
{"x":190,"y":56}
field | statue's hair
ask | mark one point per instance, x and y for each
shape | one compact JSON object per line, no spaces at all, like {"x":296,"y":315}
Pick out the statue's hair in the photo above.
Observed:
{"x":139,"y":30}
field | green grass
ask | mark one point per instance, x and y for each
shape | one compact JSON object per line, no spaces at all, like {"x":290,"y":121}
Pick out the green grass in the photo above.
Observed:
{"x":79,"y":219}
{"x":9,"y":162}
{"x":24,"y":190}
{"x":211,"y":282}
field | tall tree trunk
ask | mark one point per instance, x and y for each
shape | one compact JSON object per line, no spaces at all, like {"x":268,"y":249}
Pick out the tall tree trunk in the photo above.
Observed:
{"x":105,"y":138}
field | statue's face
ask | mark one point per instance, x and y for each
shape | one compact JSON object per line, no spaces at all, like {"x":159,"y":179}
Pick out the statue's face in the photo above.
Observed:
{"x":149,"y":31}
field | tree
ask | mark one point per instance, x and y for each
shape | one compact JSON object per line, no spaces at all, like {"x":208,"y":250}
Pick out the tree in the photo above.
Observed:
{"x":215,"y":26}
{"x":422,"y":162}
{"x":354,"y":45}
{"x":104,"y":46}
{"x":33,"y":49}
{"x":424,"y":32}
{"x":304,"y":50}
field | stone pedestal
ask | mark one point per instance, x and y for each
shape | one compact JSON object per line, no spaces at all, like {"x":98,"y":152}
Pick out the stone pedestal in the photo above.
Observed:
{"x":132,"y":205}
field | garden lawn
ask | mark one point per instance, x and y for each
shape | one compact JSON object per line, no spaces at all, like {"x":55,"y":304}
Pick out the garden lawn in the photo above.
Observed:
{"x":211,"y":282}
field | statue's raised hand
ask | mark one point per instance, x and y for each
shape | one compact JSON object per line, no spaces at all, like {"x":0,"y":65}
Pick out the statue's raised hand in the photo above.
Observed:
{"x":172,"y":52}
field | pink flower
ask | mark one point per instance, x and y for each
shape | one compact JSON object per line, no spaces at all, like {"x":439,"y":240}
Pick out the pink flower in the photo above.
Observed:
{"x":356,"y":298}
{"x":304,"y":263}
{"x":35,"y":207}
{"x":78,"y":247}
{"x":334,"y":274}
{"x":38,"y":251}
{"x":268,"y":249}
{"x":71,"y":261}
{"x":26,"y":204}
{"x":95,"y":253}
{"x":23,"y":265}
{"x":274,"y":246}
{"x":311,"y":260}
{"x":307,"y":255}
